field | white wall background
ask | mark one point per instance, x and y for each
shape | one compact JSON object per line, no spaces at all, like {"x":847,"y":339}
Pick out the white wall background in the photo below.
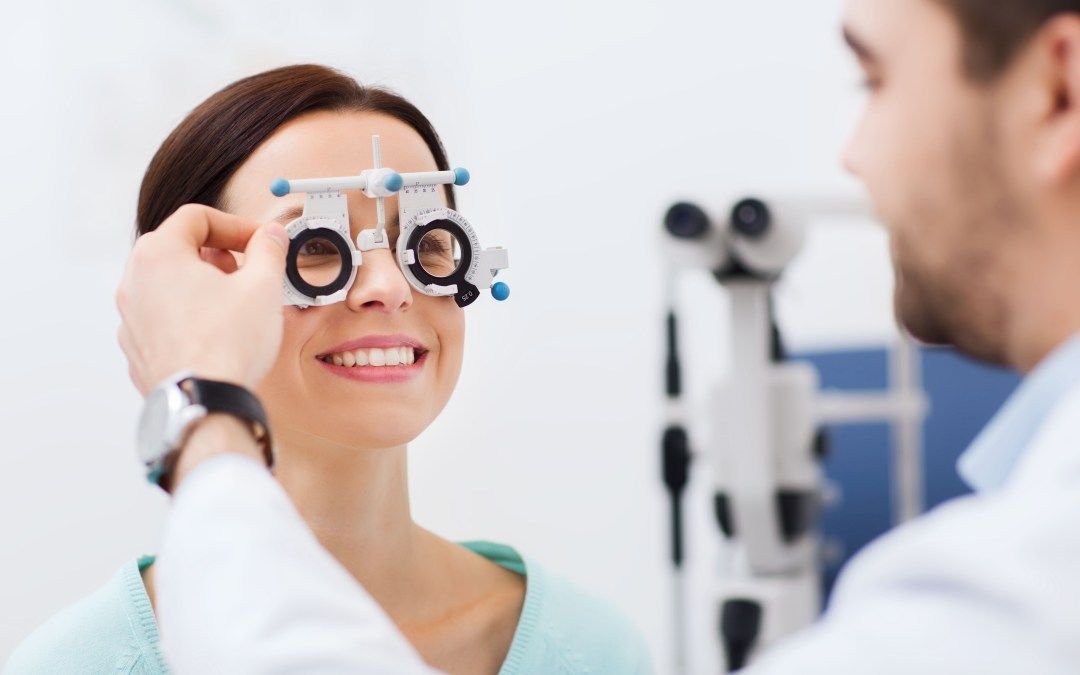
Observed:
{"x":580,"y":123}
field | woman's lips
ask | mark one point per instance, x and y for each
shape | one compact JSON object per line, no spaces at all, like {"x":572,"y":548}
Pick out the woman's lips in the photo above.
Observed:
{"x":383,"y":374}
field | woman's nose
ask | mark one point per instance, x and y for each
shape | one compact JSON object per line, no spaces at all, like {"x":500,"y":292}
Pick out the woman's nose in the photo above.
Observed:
{"x":379,"y":284}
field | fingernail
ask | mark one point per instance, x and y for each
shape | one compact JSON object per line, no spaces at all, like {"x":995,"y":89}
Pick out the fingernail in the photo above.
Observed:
{"x":278,"y":233}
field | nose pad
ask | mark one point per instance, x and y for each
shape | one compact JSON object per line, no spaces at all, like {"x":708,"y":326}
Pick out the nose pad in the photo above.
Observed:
{"x":379,"y":284}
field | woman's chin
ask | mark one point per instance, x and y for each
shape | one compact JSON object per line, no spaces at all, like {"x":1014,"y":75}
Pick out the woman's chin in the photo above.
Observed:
{"x":360,"y":426}
{"x":383,"y":431}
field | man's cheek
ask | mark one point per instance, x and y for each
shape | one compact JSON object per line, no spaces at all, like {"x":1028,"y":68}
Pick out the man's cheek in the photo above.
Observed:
{"x":882,"y":164}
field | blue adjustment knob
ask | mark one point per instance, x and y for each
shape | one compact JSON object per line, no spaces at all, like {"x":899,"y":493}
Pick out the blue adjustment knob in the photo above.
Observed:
{"x":500,"y":291}
{"x":280,"y":187}
{"x":461,"y":176}
{"x":394,"y":182}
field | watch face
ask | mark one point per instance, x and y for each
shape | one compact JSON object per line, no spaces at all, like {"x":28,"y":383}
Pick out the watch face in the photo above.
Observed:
{"x":152,"y":425}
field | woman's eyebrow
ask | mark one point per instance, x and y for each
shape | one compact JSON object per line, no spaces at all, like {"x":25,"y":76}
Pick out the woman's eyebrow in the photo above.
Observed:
{"x":291,"y":213}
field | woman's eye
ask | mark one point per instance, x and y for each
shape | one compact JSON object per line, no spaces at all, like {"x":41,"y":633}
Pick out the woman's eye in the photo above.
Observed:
{"x":315,"y":248}
{"x":317,"y":252}
{"x":432,"y":245}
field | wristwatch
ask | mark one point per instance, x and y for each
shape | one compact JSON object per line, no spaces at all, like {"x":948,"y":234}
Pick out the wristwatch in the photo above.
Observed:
{"x":174,"y":406}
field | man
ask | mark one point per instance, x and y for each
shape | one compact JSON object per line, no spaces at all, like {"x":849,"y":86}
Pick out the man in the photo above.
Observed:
{"x":970,"y":148}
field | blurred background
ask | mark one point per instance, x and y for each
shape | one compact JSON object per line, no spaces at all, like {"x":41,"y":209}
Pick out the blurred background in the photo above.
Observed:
{"x":580,"y":123}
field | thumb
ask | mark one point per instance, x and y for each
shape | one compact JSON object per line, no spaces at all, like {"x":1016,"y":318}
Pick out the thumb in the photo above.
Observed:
{"x":265,"y":252}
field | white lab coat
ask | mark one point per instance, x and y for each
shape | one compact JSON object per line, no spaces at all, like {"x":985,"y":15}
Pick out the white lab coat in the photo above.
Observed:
{"x":243,"y":586}
{"x":985,"y":584}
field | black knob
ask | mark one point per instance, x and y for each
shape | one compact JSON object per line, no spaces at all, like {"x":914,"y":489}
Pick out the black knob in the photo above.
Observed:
{"x":740,"y":623}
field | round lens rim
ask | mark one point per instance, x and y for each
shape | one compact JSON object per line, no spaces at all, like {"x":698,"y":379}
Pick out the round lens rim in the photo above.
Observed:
{"x":458,"y":276}
{"x":292,"y":272}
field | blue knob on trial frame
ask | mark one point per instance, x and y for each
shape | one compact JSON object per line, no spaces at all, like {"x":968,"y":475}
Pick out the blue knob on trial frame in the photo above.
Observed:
{"x":461,"y":176}
{"x":500,"y":291}
{"x":280,"y":187}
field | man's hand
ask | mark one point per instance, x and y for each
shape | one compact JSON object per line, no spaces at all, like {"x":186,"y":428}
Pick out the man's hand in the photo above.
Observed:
{"x":184,"y":304}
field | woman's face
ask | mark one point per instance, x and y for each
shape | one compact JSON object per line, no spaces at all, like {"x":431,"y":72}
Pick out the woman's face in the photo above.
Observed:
{"x":309,"y":401}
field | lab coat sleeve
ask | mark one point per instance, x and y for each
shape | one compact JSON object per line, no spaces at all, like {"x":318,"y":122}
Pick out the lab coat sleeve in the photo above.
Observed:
{"x":243,"y":586}
{"x":983,"y":584}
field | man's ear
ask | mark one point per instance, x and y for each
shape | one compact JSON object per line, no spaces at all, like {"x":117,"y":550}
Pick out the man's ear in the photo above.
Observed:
{"x":1057,"y":54}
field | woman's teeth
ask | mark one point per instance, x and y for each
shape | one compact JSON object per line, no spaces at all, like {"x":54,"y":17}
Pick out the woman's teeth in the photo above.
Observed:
{"x":390,"y":356}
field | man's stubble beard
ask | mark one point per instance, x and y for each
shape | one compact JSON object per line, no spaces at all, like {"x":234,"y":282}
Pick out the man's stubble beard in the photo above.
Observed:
{"x":962,"y":301}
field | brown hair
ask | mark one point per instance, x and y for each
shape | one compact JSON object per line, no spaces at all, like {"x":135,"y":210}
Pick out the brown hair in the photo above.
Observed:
{"x":995,"y":30}
{"x":200,"y":155}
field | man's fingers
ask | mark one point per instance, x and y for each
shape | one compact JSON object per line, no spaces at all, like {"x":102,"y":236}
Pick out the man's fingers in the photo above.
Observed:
{"x":194,"y":226}
{"x":264,"y":256}
{"x":223,"y":260}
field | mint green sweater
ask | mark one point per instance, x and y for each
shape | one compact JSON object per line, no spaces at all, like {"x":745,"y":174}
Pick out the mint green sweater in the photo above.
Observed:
{"x":561,"y":629}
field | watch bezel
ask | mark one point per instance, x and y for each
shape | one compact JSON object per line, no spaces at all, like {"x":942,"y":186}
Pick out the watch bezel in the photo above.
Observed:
{"x":169,"y":401}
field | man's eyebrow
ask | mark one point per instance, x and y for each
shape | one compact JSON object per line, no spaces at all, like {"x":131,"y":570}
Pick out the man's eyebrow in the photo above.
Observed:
{"x":862,"y":51}
{"x":291,"y":213}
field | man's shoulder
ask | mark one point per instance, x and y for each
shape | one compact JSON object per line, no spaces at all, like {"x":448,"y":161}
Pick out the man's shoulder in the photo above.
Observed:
{"x":104,"y":632}
{"x":574,"y":631}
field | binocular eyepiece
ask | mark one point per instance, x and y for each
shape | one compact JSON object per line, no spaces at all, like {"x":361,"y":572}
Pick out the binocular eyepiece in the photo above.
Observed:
{"x":756,"y":239}
{"x":686,"y":221}
{"x":750,"y":218}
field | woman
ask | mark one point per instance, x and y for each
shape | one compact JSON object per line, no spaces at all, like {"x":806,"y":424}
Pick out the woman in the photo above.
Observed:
{"x":340,"y":428}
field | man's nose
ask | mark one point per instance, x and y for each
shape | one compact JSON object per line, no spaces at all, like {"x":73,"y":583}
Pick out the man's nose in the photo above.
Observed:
{"x":379,"y":284}
{"x":851,"y":157}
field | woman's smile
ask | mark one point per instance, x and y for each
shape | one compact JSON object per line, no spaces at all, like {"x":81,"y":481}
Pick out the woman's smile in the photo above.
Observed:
{"x":377,"y":358}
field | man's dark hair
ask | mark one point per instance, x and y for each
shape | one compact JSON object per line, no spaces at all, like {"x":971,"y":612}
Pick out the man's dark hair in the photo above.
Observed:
{"x":995,"y":30}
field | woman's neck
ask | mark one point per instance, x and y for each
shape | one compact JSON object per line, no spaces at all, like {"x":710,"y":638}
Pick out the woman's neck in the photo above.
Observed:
{"x":356,"y":501}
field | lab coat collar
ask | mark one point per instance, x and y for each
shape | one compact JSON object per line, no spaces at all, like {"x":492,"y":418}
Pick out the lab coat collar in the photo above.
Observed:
{"x":990,"y":458}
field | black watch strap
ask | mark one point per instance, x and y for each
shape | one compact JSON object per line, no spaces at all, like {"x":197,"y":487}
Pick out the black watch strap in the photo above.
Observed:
{"x":225,"y":397}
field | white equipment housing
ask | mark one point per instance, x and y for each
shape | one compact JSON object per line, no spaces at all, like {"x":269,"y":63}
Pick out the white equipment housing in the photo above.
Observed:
{"x":764,"y":420}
